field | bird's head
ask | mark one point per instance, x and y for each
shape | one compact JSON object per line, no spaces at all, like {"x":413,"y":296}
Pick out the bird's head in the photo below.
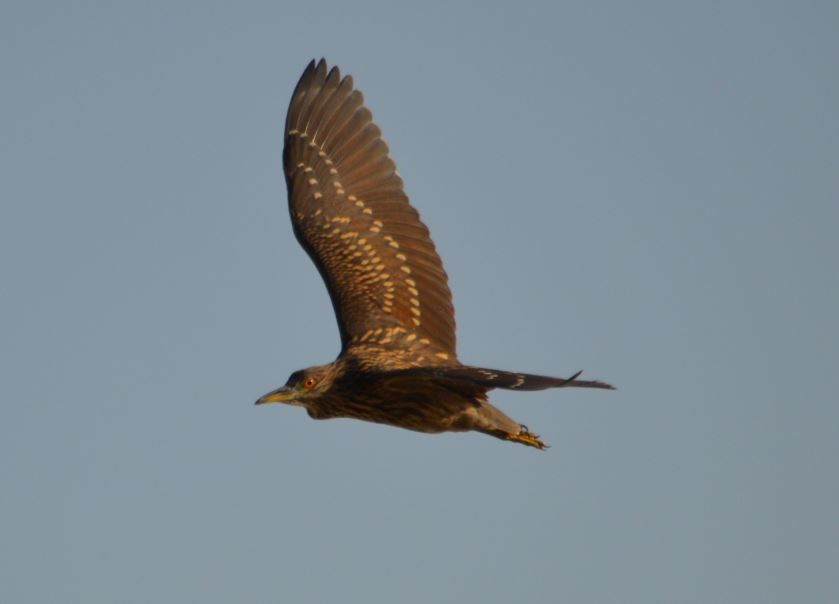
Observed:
{"x":302,"y":386}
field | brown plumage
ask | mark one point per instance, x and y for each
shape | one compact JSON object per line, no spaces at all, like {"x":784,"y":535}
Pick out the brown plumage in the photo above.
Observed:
{"x":398,"y":363}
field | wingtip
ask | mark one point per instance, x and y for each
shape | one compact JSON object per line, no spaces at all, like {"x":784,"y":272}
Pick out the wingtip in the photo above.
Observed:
{"x":573,"y":381}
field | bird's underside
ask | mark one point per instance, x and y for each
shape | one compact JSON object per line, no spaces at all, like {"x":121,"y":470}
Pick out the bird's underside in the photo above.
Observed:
{"x":398,"y":363}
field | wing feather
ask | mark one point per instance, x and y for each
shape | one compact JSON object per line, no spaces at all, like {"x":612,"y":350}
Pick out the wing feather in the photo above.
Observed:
{"x":350,"y":213}
{"x":509,"y":380}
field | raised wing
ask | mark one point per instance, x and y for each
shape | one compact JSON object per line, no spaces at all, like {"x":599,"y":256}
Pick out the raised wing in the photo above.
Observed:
{"x":349,"y":212}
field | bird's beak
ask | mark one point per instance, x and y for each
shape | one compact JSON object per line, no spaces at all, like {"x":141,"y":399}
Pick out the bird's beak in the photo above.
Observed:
{"x":280,"y":395}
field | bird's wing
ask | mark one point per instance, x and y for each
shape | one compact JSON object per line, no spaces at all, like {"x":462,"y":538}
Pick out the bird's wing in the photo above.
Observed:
{"x":496,"y":378}
{"x":349,"y":212}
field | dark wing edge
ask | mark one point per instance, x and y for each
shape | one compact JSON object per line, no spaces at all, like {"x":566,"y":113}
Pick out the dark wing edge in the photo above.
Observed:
{"x":351,"y":215}
{"x":508,"y":380}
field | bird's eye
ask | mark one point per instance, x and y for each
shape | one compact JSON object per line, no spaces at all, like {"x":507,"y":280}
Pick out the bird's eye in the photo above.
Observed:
{"x":309,"y":382}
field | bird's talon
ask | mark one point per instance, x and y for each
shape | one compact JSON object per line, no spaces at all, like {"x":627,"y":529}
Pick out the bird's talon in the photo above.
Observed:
{"x":526,"y":437}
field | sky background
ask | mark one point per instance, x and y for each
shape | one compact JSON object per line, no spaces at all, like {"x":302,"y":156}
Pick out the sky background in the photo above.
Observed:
{"x":647,"y":191}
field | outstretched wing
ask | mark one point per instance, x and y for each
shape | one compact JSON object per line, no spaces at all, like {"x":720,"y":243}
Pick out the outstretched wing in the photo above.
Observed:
{"x":496,"y":378}
{"x":349,"y":212}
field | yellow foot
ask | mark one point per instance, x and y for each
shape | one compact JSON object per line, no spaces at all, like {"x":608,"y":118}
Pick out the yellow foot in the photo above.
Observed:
{"x":526,"y":437}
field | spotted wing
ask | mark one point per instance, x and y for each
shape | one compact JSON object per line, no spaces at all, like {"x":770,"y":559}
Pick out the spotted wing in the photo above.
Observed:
{"x":350,"y":213}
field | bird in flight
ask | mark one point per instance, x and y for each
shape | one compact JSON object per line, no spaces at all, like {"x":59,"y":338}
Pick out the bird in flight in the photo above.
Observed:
{"x":398,"y":363}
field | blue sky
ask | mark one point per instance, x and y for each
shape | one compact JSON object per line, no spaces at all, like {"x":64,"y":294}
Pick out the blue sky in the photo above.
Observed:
{"x":646,"y":191}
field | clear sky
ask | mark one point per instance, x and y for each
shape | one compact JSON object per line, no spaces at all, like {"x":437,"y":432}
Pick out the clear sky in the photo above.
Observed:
{"x":647,"y":191}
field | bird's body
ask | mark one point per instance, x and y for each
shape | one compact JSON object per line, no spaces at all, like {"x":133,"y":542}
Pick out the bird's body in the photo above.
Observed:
{"x":421,"y":398}
{"x":388,"y":397}
{"x":398,"y":364}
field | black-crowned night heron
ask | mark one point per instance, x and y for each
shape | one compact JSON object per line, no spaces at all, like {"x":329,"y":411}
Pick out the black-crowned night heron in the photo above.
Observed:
{"x":398,"y":364}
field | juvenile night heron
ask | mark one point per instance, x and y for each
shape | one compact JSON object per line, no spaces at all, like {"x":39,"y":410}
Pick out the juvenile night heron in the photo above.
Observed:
{"x":398,"y":364}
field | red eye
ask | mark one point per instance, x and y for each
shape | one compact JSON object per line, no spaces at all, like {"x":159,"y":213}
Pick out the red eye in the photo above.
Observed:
{"x":309,"y":382}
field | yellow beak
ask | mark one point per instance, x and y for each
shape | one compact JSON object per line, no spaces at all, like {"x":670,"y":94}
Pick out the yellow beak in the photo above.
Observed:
{"x":280,"y":395}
